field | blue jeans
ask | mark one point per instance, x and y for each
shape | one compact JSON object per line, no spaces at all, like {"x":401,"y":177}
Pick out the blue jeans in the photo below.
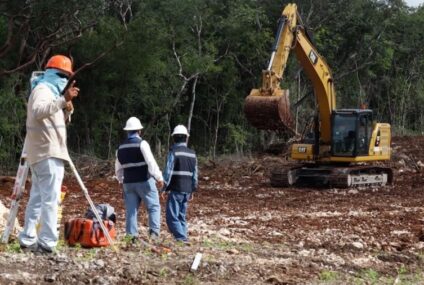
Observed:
{"x":134,"y":194}
{"x":47,"y":176}
{"x":176,"y":209}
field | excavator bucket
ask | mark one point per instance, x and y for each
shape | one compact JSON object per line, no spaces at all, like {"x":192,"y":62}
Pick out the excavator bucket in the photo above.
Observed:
{"x":268,"y":112}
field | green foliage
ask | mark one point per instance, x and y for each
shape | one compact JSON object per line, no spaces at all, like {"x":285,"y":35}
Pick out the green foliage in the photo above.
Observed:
{"x":328,"y":275}
{"x":61,"y":244}
{"x":77,"y":247}
{"x":12,"y":123}
{"x":89,"y":254}
{"x":190,"y":279}
{"x":127,"y":239}
{"x":236,"y":138}
{"x":374,"y":49}
{"x":216,"y":243}
{"x":402,"y":270}
{"x":13,"y":247}
{"x":370,"y":275}
{"x":163,"y":272}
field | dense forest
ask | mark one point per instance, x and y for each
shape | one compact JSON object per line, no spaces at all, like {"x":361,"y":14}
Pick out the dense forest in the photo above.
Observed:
{"x":194,"y":61}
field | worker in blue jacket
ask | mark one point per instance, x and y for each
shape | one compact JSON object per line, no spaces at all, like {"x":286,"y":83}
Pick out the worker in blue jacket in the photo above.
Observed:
{"x":180,"y":177}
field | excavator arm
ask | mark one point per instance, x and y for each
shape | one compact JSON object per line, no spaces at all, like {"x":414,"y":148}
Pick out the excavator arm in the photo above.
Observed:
{"x":273,"y":75}
{"x":269,"y":107}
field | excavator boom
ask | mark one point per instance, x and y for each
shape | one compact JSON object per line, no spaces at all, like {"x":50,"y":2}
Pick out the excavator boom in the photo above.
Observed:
{"x":318,"y":71}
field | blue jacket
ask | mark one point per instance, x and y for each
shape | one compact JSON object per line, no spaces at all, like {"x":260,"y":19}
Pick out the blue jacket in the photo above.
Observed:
{"x":181,"y":169}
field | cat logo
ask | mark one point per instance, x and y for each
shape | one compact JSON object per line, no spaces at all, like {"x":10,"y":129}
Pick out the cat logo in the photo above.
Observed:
{"x":301,"y":149}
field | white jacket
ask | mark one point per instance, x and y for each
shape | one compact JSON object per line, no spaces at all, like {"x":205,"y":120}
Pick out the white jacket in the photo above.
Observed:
{"x":45,"y":125}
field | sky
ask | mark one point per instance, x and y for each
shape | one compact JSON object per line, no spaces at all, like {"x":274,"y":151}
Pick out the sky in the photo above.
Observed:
{"x":414,"y":3}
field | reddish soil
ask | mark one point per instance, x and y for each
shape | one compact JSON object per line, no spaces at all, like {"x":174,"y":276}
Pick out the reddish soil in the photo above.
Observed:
{"x":313,"y":230}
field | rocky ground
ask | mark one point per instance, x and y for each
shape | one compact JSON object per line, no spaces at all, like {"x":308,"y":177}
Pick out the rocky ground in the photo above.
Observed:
{"x":249,"y":232}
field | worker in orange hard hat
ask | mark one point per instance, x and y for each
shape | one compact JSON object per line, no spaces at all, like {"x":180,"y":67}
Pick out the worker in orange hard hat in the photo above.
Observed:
{"x":45,"y":145}
{"x":60,"y":62}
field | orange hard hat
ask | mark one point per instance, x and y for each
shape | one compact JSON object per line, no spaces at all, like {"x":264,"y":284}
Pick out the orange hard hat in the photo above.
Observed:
{"x":60,"y":62}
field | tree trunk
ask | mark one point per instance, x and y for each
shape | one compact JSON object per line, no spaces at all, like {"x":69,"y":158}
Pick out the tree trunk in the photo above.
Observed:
{"x":168,"y":137}
{"x":215,"y":139}
{"x":193,"y":100}
{"x":109,"y":143}
{"x":158,"y":147}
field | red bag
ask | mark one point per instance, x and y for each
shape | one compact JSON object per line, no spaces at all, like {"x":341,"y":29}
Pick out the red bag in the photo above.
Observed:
{"x":88,"y":233}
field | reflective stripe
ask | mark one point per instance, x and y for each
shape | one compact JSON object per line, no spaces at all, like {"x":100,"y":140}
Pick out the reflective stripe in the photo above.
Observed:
{"x":182,"y":173}
{"x":129,"y":145}
{"x":128,"y":165}
{"x":187,"y":154}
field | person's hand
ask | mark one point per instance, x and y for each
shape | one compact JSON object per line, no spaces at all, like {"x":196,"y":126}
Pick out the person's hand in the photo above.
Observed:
{"x":191,"y":197}
{"x":69,"y":107}
{"x":159,"y":184}
{"x":71,"y":92}
{"x":163,"y":195}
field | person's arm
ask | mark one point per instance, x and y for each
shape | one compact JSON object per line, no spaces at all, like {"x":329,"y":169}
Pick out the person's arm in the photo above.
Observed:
{"x":194,"y":180}
{"x":167,"y":174}
{"x":68,"y":111}
{"x":150,"y":161}
{"x":44,"y":105}
{"x":119,"y":170}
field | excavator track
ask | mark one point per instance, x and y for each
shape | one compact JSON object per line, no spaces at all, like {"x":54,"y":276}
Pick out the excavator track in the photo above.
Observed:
{"x":284,"y":177}
{"x":332,"y":176}
{"x":358,"y":176}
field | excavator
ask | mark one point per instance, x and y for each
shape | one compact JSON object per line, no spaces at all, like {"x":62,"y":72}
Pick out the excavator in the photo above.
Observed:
{"x":345,"y":143}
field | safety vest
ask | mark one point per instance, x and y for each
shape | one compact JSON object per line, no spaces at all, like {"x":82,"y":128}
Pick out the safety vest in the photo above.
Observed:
{"x":132,"y":160}
{"x":184,"y":165}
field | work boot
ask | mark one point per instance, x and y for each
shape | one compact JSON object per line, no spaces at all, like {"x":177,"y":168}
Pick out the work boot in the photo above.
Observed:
{"x":29,"y":248}
{"x":182,"y":242}
{"x":41,"y":250}
{"x":134,"y":240}
{"x":153,"y":236}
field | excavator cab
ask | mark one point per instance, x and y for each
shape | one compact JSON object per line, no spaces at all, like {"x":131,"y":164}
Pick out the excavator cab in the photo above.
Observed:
{"x":351,"y":132}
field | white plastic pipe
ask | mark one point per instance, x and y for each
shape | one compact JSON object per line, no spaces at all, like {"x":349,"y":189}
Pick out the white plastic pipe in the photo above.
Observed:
{"x":196,"y":261}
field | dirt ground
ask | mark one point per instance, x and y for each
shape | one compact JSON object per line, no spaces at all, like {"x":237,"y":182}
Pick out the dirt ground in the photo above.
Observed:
{"x":249,"y":232}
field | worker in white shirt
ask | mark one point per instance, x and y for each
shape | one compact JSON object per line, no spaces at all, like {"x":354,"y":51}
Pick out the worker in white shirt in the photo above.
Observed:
{"x":136,"y":169}
{"x":49,"y":106}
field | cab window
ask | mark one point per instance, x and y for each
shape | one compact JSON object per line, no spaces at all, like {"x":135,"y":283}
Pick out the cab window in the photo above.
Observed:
{"x":364,"y":133}
{"x":344,"y":135}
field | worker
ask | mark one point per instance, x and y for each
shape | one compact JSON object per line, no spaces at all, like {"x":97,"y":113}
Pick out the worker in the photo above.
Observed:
{"x":180,"y":177}
{"x":350,"y":141}
{"x":45,"y":146}
{"x":136,"y":169}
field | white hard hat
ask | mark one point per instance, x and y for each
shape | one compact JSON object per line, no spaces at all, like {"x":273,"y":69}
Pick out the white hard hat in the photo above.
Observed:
{"x":180,"y":130}
{"x":133,"y":124}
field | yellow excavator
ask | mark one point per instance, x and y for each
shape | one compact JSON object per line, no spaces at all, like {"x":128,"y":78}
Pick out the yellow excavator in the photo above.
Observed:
{"x":344,"y":141}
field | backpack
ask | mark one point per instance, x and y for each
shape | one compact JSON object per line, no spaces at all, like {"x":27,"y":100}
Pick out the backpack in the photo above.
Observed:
{"x":87,"y":231}
{"x":105,"y":211}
